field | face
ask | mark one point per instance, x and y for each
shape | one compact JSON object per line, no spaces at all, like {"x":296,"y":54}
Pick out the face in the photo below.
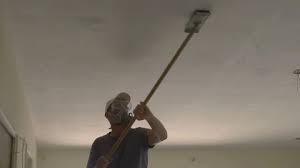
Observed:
{"x":117,"y":112}
{"x":118,"y":108}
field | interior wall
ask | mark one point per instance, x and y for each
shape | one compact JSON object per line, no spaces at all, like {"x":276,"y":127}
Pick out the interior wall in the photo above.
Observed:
{"x":257,"y":157}
{"x":185,"y":157}
{"x":6,"y":148}
{"x":62,"y":157}
{"x":12,"y":100}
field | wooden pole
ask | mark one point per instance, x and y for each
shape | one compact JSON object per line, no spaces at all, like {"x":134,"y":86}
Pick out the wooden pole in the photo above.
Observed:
{"x":158,"y":82}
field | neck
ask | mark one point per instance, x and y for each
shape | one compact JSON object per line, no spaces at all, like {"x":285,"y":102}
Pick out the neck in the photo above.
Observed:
{"x":116,"y":130}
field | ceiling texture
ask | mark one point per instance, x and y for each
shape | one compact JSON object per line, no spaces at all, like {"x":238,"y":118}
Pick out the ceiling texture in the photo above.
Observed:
{"x":233,"y":85}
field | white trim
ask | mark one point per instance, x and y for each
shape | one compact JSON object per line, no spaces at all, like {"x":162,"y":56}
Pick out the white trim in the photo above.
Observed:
{"x":29,"y":154}
{"x":4,"y":121}
{"x":29,"y":160}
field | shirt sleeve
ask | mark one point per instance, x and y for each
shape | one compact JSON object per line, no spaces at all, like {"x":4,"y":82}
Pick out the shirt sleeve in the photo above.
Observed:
{"x":94,"y":154}
{"x":143,"y":134}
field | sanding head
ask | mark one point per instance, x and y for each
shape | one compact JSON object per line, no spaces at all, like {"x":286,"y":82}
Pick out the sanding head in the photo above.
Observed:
{"x":297,"y":72}
{"x":197,"y":19}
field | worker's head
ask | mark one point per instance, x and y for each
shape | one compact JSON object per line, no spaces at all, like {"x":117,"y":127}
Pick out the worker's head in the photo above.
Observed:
{"x":117,"y":109}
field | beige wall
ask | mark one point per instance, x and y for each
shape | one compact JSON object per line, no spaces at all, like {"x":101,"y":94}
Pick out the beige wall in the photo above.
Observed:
{"x":175,"y":157}
{"x":12,"y":101}
{"x":226,"y":158}
{"x":62,"y":157}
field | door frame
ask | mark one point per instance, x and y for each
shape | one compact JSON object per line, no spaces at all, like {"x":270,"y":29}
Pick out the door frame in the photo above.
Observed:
{"x":6,"y":124}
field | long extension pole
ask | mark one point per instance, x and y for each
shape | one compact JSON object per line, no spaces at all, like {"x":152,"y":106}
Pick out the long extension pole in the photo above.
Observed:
{"x":192,"y":30}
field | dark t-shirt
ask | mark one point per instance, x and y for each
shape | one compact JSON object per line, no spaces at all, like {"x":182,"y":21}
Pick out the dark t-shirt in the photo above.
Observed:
{"x":132,"y":153}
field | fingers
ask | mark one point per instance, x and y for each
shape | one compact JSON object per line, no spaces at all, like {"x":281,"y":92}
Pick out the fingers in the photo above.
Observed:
{"x":139,"y":111}
{"x":102,"y":162}
{"x":142,"y":106}
{"x":106,"y":162}
{"x":146,"y":109}
{"x":139,"y":108}
{"x":139,"y":114}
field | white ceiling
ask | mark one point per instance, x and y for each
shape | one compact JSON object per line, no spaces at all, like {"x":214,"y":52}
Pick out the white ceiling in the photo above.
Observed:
{"x":232,"y":85}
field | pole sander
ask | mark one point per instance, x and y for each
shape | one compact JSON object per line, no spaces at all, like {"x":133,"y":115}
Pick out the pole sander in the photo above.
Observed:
{"x":193,"y":26}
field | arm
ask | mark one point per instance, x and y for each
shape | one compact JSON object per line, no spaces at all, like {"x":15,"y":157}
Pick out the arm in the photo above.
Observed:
{"x":158,"y":132}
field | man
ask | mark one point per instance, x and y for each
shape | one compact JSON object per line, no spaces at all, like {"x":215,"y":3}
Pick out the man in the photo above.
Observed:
{"x":133,"y":152}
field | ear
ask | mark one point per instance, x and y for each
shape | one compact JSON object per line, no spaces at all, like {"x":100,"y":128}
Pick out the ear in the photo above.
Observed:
{"x":105,"y":115}
{"x":125,"y":118}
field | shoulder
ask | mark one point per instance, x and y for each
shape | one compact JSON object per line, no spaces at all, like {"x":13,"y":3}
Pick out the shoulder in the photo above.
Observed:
{"x":142,"y":134}
{"x":100,"y":140}
{"x":140,"y":130}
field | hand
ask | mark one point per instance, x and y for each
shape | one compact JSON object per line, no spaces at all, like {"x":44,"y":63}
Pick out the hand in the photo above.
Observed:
{"x":142,"y":112}
{"x":102,"y":162}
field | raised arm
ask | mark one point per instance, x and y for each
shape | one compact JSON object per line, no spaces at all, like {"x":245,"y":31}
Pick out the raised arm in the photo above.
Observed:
{"x":158,"y":132}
